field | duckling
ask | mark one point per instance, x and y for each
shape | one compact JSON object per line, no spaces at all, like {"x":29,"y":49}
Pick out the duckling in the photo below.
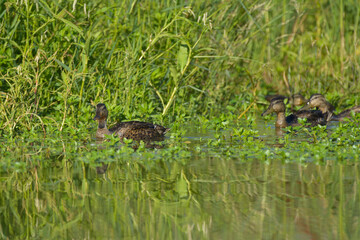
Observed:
{"x":320,"y":102}
{"x":131,"y":130}
{"x":277,"y":105}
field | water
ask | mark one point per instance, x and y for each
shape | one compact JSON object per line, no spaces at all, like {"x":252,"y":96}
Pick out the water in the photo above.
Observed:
{"x":82,"y":190}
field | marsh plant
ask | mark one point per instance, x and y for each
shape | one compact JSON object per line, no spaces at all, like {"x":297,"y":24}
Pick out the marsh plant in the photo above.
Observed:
{"x":160,"y":60}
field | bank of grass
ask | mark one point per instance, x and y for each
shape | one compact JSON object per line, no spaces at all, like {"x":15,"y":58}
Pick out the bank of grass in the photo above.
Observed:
{"x":166,"y":61}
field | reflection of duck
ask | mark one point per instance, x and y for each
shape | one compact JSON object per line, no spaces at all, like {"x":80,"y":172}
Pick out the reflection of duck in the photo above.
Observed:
{"x":277,"y":105}
{"x":319,"y":101}
{"x":131,"y":130}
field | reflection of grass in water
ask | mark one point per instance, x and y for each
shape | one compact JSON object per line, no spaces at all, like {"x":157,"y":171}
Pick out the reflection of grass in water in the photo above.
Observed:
{"x":237,"y":186}
{"x":208,"y":196}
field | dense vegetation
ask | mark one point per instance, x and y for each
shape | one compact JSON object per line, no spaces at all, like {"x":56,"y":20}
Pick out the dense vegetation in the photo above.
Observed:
{"x":174,"y":59}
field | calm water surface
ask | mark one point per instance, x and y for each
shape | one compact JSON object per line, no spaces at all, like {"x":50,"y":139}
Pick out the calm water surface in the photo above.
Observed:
{"x":200,"y":194}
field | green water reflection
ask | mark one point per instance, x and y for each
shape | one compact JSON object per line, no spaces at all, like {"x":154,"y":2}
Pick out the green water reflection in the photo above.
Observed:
{"x":205,"y":196}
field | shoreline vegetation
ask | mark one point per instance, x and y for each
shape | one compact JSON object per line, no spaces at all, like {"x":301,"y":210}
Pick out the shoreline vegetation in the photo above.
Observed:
{"x":167,"y":61}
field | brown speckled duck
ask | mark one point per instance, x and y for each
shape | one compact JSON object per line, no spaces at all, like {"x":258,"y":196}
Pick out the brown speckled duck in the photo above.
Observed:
{"x":131,"y":130}
{"x":319,"y":101}
{"x":298,"y":99}
{"x":277,"y":96}
{"x":277,"y":105}
{"x":346,"y":114}
{"x":295,"y":100}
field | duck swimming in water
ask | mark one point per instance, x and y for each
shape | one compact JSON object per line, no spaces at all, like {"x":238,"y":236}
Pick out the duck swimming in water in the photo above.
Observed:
{"x":346,"y":114}
{"x":298,"y":100}
{"x":131,"y":130}
{"x":295,"y":100}
{"x":277,"y":105}
{"x":320,"y":102}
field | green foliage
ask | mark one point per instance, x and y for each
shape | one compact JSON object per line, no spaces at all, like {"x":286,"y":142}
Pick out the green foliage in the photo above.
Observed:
{"x":173,"y":57}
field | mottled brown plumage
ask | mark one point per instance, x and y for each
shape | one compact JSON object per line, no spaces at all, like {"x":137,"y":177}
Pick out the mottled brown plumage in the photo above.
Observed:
{"x":346,"y":114}
{"x":275,"y":96}
{"x":298,"y":99}
{"x":319,"y":101}
{"x":131,"y":130}
{"x":295,"y":100}
{"x":277,"y":105}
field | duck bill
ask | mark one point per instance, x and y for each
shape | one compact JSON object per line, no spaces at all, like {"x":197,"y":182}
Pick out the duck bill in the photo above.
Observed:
{"x":166,"y":130}
{"x":97,"y":117}
{"x":267,"y":111}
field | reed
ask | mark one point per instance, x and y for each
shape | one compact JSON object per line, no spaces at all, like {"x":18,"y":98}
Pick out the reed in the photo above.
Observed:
{"x":157,"y":60}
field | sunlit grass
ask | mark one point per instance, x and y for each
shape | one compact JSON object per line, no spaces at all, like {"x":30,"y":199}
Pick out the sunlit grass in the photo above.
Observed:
{"x":157,"y":61}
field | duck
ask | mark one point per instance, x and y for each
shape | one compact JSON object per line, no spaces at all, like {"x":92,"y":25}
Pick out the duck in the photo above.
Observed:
{"x":319,"y":101}
{"x":134,"y":130}
{"x":296,"y":100}
{"x":346,"y":114}
{"x":271,"y":97}
{"x":277,"y":105}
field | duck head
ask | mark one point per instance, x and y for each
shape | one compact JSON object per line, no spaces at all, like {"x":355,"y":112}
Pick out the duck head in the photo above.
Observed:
{"x":101,"y":115}
{"x":298,"y":100}
{"x":276,"y":105}
{"x":318,"y":101}
{"x":101,"y":112}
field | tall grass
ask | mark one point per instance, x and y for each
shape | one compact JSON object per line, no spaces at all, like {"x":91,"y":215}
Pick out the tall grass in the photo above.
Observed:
{"x":164,"y":59}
